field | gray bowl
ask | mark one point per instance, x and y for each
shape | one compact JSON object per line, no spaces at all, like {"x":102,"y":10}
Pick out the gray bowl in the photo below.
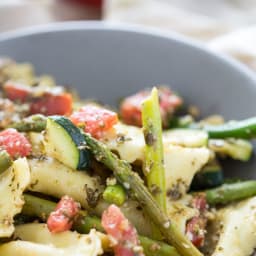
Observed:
{"x":107,"y":62}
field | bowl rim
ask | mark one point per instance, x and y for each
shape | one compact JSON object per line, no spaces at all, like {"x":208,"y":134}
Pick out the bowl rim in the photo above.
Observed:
{"x":129,"y":28}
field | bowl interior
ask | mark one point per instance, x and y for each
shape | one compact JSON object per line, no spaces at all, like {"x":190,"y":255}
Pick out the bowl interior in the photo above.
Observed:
{"x":107,"y":62}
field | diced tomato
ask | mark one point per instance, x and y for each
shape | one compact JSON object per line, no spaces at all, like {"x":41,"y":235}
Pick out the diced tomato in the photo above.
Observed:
{"x":51,"y":104}
{"x":17,"y":92}
{"x":46,"y":103}
{"x":195,"y":231}
{"x":195,"y":228}
{"x":125,"y":235}
{"x":130,"y":109}
{"x":62,"y":218}
{"x":199,"y":202}
{"x":15,"y":143}
{"x":95,"y":120}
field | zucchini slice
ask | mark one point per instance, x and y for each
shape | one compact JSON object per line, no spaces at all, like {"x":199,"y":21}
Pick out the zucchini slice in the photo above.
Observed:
{"x":65,"y":142}
{"x":237,"y":149}
{"x":209,"y":177}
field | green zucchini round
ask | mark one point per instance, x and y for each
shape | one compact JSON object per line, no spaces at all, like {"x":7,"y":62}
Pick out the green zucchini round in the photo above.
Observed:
{"x":65,"y":142}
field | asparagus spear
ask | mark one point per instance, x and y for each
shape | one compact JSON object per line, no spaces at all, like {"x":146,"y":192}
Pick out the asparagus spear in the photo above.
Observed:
{"x":131,"y":181}
{"x":114,"y":194}
{"x":35,"y":123}
{"x":231,"y":192}
{"x":154,"y":159}
{"x":5,"y":161}
{"x":41,"y":208}
{"x":245,"y":129}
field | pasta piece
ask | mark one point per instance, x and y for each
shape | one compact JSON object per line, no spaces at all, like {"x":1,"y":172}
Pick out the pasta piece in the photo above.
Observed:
{"x":238,"y":225}
{"x":180,"y":212}
{"x":39,"y":241}
{"x":12,"y":184}
{"x":181,"y":163}
{"x":51,"y":177}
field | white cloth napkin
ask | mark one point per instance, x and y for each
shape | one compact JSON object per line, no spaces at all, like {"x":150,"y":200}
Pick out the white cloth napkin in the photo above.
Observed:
{"x":221,"y":24}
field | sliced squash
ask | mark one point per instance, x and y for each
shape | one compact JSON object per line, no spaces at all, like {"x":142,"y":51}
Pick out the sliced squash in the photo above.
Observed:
{"x":65,"y":142}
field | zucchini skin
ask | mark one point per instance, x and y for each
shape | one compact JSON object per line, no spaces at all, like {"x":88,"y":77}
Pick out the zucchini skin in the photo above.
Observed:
{"x":78,"y":139}
{"x":211,"y":176}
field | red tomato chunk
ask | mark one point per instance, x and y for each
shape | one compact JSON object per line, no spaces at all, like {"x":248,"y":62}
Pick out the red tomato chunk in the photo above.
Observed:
{"x":195,"y":229}
{"x":94,"y":119}
{"x":15,"y":143}
{"x":50,"y":104}
{"x":17,"y":92}
{"x":125,"y":235}
{"x":46,"y":103}
{"x":62,"y":218}
{"x":130,"y":109}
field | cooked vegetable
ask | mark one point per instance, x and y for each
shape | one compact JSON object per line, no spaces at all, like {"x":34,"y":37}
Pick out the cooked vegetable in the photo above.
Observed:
{"x":231,"y":192}
{"x":35,"y":206}
{"x":17,"y":91}
{"x":210,"y":176}
{"x":154,"y":156}
{"x":130,"y":109}
{"x":13,"y":182}
{"x":245,"y":129}
{"x":40,"y":100}
{"x":180,"y":121}
{"x":35,"y":123}
{"x":152,"y":248}
{"x":195,"y":228}
{"x":114,"y":194}
{"x":235,"y":148}
{"x":63,"y":216}
{"x":132,"y":182}
{"x":125,"y":235}
{"x":5,"y":161}
{"x":52,"y":104}
{"x":94,"y":120}
{"x":15,"y":143}
{"x":65,"y":142}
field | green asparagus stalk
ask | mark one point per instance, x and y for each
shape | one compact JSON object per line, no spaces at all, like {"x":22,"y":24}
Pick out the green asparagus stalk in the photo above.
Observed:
{"x":181,"y":121}
{"x":245,"y":129}
{"x":154,"y":159}
{"x":131,"y":181}
{"x":37,"y":206}
{"x":114,"y":194}
{"x":34,"y":123}
{"x":41,"y":208}
{"x":5,"y":161}
{"x":231,"y":192}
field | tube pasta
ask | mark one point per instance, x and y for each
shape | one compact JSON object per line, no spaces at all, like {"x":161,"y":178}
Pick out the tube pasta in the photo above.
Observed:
{"x":39,"y":241}
{"x":12,"y":184}
{"x":50,"y":177}
{"x":238,"y":225}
